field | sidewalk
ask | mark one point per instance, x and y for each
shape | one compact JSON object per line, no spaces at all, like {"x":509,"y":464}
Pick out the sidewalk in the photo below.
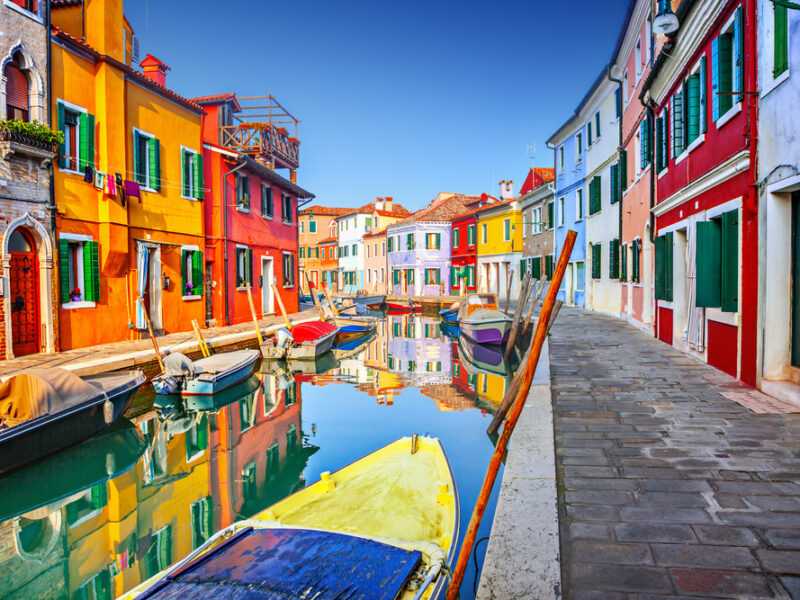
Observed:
{"x":137,"y":353}
{"x":670,"y":485}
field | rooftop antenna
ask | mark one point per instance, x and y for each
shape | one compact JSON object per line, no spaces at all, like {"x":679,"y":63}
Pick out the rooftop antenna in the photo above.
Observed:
{"x":532,"y":153}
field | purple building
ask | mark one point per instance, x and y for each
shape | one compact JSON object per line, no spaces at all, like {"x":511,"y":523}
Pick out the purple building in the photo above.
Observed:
{"x":419,"y":247}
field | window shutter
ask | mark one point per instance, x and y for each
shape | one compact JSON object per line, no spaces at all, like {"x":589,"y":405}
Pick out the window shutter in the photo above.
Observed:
{"x":692,"y":108}
{"x":730,"y":261}
{"x":597,"y":124}
{"x":668,"y":256}
{"x":679,"y":140}
{"x":138,"y":171}
{"x":249,"y":266}
{"x":715,"y":65}
{"x":184,"y":274}
{"x":522,"y":268}
{"x":99,"y":495}
{"x":536,"y":267}
{"x":614,"y":174}
{"x":659,"y":143}
{"x":62,"y":148}
{"x":63,"y":268}
{"x":613,"y":259}
{"x":589,"y":132}
{"x":91,"y":281}
{"x":185,"y":173}
{"x":708,"y":265}
{"x":780,"y":32}
{"x":623,"y":171}
{"x":738,"y":56}
{"x":703,"y":125}
{"x":550,"y":219}
{"x":596,"y":261}
{"x":548,"y":266}
{"x":86,"y":150}
{"x":642,"y":145}
{"x":623,"y":272}
{"x":197,"y":273}
{"x":726,"y":78}
{"x":199,"y":192}
{"x":154,"y":151}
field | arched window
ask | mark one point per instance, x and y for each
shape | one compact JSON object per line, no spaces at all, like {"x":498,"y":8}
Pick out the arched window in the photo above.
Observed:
{"x":29,"y":5}
{"x":17,"y":105}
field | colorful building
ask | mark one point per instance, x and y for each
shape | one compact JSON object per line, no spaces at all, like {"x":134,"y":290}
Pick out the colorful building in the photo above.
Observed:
{"x":778,"y":51}
{"x":329,"y":262}
{"x":704,"y":90}
{"x":500,"y":245}
{"x":28,"y":288}
{"x":250,"y":216}
{"x":537,"y":206}
{"x":376,"y":262}
{"x":419,"y":247}
{"x":128,"y":185}
{"x":317,"y":223}
{"x":417,"y":348}
{"x":464,"y":252}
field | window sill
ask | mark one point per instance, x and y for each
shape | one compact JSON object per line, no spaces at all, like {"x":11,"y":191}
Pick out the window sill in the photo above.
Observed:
{"x":288,"y":287}
{"x":700,"y":139}
{"x":78,"y":304}
{"x":193,"y":297}
{"x":732,"y":112}
{"x":147,"y":189}
{"x":190,"y":198}
{"x":242,"y":209}
{"x":663,"y":172}
{"x":243,"y":288}
{"x":775,"y":83}
{"x":72,"y":172}
{"x":22,"y":11}
{"x":666,"y":304}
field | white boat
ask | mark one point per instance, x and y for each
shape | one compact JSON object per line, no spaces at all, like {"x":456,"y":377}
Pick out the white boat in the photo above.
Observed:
{"x":213,"y":374}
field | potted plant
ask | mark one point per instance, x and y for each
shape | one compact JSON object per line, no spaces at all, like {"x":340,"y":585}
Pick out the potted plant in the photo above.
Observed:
{"x":75,"y":295}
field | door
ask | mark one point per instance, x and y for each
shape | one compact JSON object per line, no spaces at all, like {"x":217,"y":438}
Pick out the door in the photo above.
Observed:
{"x":153,"y":296}
{"x":570,"y":281}
{"x":796,"y":279}
{"x":209,"y":291}
{"x":24,"y":281}
{"x":267,"y":306}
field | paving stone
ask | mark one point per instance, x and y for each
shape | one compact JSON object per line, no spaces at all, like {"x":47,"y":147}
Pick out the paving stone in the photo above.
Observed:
{"x":792,"y":586}
{"x":785,"y":562}
{"x":672,"y":500}
{"x":620,"y":577}
{"x":646,"y":532}
{"x":600,"y":497}
{"x":677,"y":515}
{"x":725,"y":583}
{"x":613,"y":553}
{"x":664,"y":485}
{"x":725,"y":536}
{"x":680,"y":555}
{"x":589,"y":531}
{"x":600,"y":483}
{"x":783,"y":538}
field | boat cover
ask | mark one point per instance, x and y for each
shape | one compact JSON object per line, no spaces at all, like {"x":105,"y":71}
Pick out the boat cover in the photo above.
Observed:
{"x":279,"y":564}
{"x":308,"y":332}
{"x":487,"y":315}
{"x":226,"y":361}
{"x":38,"y":392}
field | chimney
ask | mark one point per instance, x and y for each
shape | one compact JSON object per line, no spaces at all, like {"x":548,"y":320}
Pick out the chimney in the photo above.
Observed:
{"x":155,"y":70}
{"x":378,"y":203}
{"x":387,"y":203}
{"x":506,"y":189}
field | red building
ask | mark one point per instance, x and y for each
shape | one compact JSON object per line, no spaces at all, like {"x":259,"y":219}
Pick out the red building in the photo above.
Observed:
{"x":703,"y":128}
{"x":464,"y":250}
{"x":250,"y":212}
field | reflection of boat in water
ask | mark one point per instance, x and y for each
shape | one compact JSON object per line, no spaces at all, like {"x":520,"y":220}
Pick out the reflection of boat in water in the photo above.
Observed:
{"x":61,"y":476}
{"x":485,"y":358}
{"x":224,"y":398}
{"x":61,"y":409}
{"x":387,"y":519}
{"x":451,"y":330}
{"x":350,"y":333}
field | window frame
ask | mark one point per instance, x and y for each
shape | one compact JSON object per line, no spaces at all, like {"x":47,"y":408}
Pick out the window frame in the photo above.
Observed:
{"x":81,"y":239}
{"x":74,"y":108}
{"x":194,"y":194}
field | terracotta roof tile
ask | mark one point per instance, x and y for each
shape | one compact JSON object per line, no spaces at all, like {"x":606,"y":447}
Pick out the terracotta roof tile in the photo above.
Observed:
{"x":398,"y":210}
{"x":378,"y":233}
{"x":444,"y":208}
{"x":214,"y":98}
{"x":328,"y":211}
{"x":537,"y":177}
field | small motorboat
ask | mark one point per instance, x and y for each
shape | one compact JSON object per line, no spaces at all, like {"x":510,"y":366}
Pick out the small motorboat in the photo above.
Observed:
{"x":305,"y":341}
{"x":224,"y":398}
{"x":450,"y":315}
{"x":212,"y":374}
{"x":370,"y":301}
{"x":352,"y":332}
{"x":451,"y":330}
{"x":43,"y":411}
{"x":488,"y":359}
{"x":388,"y":520}
{"x":398,"y":308}
{"x":482,"y":322}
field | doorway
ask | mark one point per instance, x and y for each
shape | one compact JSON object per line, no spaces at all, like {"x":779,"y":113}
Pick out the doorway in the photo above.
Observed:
{"x":24,"y":280}
{"x":209,"y":292}
{"x":570,"y":282}
{"x":267,"y":301}
{"x":796,"y":279}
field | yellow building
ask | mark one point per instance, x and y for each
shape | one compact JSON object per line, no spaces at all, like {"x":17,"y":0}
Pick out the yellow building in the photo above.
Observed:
{"x":500,"y":248}
{"x":128,"y":183}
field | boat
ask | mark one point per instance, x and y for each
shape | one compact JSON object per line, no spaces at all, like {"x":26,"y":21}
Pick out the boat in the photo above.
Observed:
{"x":43,"y":411}
{"x":305,"y":341}
{"x":371,"y":301}
{"x":213,"y":374}
{"x":399,"y":308}
{"x":450,"y":315}
{"x":224,"y":398}
{"x":352,"y":332}
{"x":482,"y":322}
{"x":451,"y":330}
{"x":388,"y":520}
{"x":488,"y":359}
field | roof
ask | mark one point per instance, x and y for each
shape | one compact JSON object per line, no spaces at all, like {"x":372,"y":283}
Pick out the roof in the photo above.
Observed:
{"x":537,"y":177}
{"x":218,"y":99}
{"x":493,"y":205}
{"x":377,"y":233}
{"x":272,"y":176}
{"x":398,"y":210}
{"x":444,"y":208}
{"x":129,"y":71}
{"x":328,"y":211}
{"x":65,"y":3}
{"x":329,"y":240}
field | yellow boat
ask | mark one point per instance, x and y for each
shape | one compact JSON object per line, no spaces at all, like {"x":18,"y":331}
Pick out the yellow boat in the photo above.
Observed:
{"x":383,"y":527}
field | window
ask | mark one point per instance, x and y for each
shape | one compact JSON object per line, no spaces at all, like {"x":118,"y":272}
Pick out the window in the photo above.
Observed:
{"x":637,"y":59}
{"x":618,"y":102}
{"x":146,"y":160}
{"x":88,"y":503}
{"x":410,"y":241}
{"x":589,"y":133}
{"x":625,"y":88}
{"x":197,"y":438}
{"x":561,"y":157}
{"x":202,"y":521}
{"x":286,"y":208}
{"x":688,"y":107}
{"x":597,"y":256}
{"x":410,"y":276}
{"x":536,"y":267}
{"x":579,"y":204}
{"x":661,"y":142}
{"x":291,"y":439}
{"x":97,"y":587}
{"x":471,"y":276}
{"x":312,"y":227}
{"x":456,"y":237}
{"x":645,"y":151}
{"x":395,"y":276}
{"x":433,"y":276}
{"x":664,"y":252}
{"x":613,"y":259}
{"x":484,"y":233}
{"x":579,"y":146}
{"x":433,"y":241}
{"x":623,"y":272}
{"x":390,"y":243}
{"x":717,"y":262}
{"x":537,"y":226}
{"x":192,"y":174}
{"x":191,"y":272}
{"x":159,"y":554}
{"x":780,"y":39}
{"x":288,"y":270}
{"x":32,"y":6}
{"x":561,"y":210}
{"x":77,"y":151}
{"x":613,"y":175}
{"x":597,"y":124}
{"x":17,"y":102}
{"x":355,"y":249}
{"x":548,"y":266}
{"x":249,"y":484}
{"x":471,"y":234}
{"x":79,"y":271}
{"x":727,"y":57}
{"x":507,"y":230}
{"x":595,"y":195}
{"x":368,"y":223}
{"x":244,"y":266}
{"x":267,"y":209}
{"x":636,"y":253}
{"x":242,"y":192}
{"x":550,"y":220}
{"x":273,"y":460}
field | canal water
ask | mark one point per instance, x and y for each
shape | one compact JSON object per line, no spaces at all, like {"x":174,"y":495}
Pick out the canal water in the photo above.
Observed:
{"x":100,"y":518}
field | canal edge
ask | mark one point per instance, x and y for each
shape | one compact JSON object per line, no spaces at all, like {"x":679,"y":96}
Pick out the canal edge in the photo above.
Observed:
{"x":522,"y":558}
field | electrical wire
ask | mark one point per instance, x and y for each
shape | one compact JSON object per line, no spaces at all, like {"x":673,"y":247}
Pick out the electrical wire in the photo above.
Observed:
{"x":475,"y":561}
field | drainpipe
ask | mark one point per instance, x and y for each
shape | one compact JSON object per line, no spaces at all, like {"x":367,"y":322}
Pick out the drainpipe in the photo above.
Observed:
{"x":225,"y":259}
{"x":619,"y":83}
{"x":49,"y":106}
{"x":651,"y":114}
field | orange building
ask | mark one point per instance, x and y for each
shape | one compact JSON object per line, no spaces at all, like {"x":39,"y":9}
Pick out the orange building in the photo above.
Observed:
{"x":329,"y":262}
{"x":317,"y":223}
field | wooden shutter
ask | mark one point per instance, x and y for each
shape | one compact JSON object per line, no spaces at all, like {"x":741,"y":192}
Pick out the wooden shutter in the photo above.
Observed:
{"x":197,"y":273}
{"x":780,"y":34}
{"x":623,"y":272}
{"x":185,"y":172}
{"x":63,"y":268}
{"x":596,"y":261}
{"x":154,"y":158}
{"x":86,"y":153}
{"x":613,"y":259}
{"x":659,"y":145}
{"x":715,"y":113}
{"x":725,"y":75}
{"x":678,"y":136}
{"x":738,"y":55}
{"x":99,"y":495}
{"x":707,"y":261}
{"x":623,"y":171}
{"x":597,"y":124}
{"x":16,"y":87}
{"x":701,"y":73}
{"x":730,"y":261}
{"x":614,"y":175}
{"x":184,"y":274}
{"x":589,"y":132}
{"x":550,"y":216}
{"x":91,"y":280}
{"x":522,"y":268}
{"x":668,"y":256}
{"x":138,"y":168}
{"x":659,"y":278}
{"x":248,"y":257}
{"x":692,"y":90}
{"x":62,"y":147}
{"x":548,"y":266}
{"x":199,"y":192}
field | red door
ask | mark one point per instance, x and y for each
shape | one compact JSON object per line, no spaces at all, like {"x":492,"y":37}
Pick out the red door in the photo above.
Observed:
{"x":24,"y":303}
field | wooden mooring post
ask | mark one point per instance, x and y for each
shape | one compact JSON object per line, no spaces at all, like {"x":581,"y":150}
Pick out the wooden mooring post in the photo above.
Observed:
{"x":515,"y":324}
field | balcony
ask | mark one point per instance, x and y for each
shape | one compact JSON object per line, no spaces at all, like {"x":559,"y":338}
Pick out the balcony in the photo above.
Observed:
{"x":33,"y":140}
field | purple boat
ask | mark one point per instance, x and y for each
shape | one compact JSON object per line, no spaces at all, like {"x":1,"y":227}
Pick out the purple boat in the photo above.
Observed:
{"x":486,"y":326}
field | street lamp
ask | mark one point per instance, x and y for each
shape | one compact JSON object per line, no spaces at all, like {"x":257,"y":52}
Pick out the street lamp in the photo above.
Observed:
{"x":665,"y":22}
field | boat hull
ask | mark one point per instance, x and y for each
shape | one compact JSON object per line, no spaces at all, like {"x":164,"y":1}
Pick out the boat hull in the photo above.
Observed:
{"x":312,"y":350}
{"x":486,"y":332}
{"x":204,"y":385}
{"x":376,"y":300}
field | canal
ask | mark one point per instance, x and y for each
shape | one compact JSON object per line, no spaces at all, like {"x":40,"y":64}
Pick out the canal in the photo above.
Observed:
{"x":99,"y":518}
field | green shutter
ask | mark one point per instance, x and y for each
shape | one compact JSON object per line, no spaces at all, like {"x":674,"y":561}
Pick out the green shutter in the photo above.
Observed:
{"x":780,"y":51}
{"x":595,"y":195}
{"x":202,"y":432}
{"x":154,"y":158}
{"x":707,"y":261}
{"x":522,"y":265}
{"x":250,"y":267}
{"x":659,"y":145}
{"x":703,"y":102}
{"x":730,"y":261}
{"x":678,"y":138}
{"x":86,"y":150}
{"x":536,"y":267}
{"x":62,"y":126}
{"x":199,"y":192}
{"x":63,"y":269}
{"x":724,"y":68}
{"x":597,"y":251}
{"x":99,"y":495}
{"x":186,"y":188}
{"x":91,"y":279}
{"x":738,"y":55}
{"x":623,"y":170}
{"x":184,"y":274}
{"x":635,"y":261}
{"x":614,"y":175}
{"x":548,"y":266}
{"x":692,"y":88}
{"x":623,"y":271}
{"x":550,"y":216}
{"x":659,"y":259}
{"x":668,"y":257}
{"x":197,"y":273}
{"x":597,"y":123}
{"x":138,"y":170}
{"x":613,"y":259}
{"x":589,"y":132}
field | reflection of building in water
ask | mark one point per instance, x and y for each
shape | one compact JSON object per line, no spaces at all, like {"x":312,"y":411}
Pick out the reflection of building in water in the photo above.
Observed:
{"x":448,"y":398}
{"x":418,"y":349}
{"x":484,"y":384}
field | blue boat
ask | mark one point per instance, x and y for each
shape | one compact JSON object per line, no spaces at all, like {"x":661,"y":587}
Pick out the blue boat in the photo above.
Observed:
{"x":449,"y":315}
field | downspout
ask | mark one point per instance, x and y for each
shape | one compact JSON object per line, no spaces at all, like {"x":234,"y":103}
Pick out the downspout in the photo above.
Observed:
{"x":651,"y":114}
{"x":620,"y":149}
{"x":49,"y":102}
{"x":225,"y":259}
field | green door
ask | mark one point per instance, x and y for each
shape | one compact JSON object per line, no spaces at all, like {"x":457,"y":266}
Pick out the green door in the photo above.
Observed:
{"x":796,"y":279}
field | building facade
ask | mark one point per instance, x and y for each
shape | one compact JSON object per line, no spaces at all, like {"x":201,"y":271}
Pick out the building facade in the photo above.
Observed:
{"x":464,"y":253}
{"x":329,"y":262}
{"x":538,"y":221}
{"x":28,"y":287}
{"x":316,"y":223}
{"x":376,"y":263}
{"x":706,"y":271}
{"x":500,"y":266}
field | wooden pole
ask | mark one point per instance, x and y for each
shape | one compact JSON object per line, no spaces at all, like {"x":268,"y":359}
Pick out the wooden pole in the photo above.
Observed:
{"x":331,"y":304}
{"x":515,"y":324}
{"x":253,"y":314}
{"x":200,"y":340}
{"x":152,"y":337}
{"x":286,"y":320}
{"x":513,"y":417}
{"x":314,"y":298}
{"x":509,"y":279}
{"x":534,"y":302}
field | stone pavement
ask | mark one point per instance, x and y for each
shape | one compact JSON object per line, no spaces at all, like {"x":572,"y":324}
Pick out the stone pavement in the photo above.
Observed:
{"x":667,"y":488}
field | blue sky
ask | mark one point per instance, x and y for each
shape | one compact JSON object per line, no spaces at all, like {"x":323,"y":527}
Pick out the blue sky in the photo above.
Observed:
{"x":396,"y":99}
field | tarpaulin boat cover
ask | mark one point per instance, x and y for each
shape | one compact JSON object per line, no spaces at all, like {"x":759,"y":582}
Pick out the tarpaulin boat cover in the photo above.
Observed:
{"x":226,"y":361}
{"x":38,"y":392}
{"x":308,"y":332}
{"x":282,"y":564}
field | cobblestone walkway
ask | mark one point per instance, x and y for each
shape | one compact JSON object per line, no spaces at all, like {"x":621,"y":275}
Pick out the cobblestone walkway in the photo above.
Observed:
{"x":667,"y":489}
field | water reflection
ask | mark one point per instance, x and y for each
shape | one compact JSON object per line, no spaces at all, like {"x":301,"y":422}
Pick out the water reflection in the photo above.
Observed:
{"x":101,"y":517}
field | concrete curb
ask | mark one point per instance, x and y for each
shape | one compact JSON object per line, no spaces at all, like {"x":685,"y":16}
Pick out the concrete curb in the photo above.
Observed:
{"x":522,"y":559}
